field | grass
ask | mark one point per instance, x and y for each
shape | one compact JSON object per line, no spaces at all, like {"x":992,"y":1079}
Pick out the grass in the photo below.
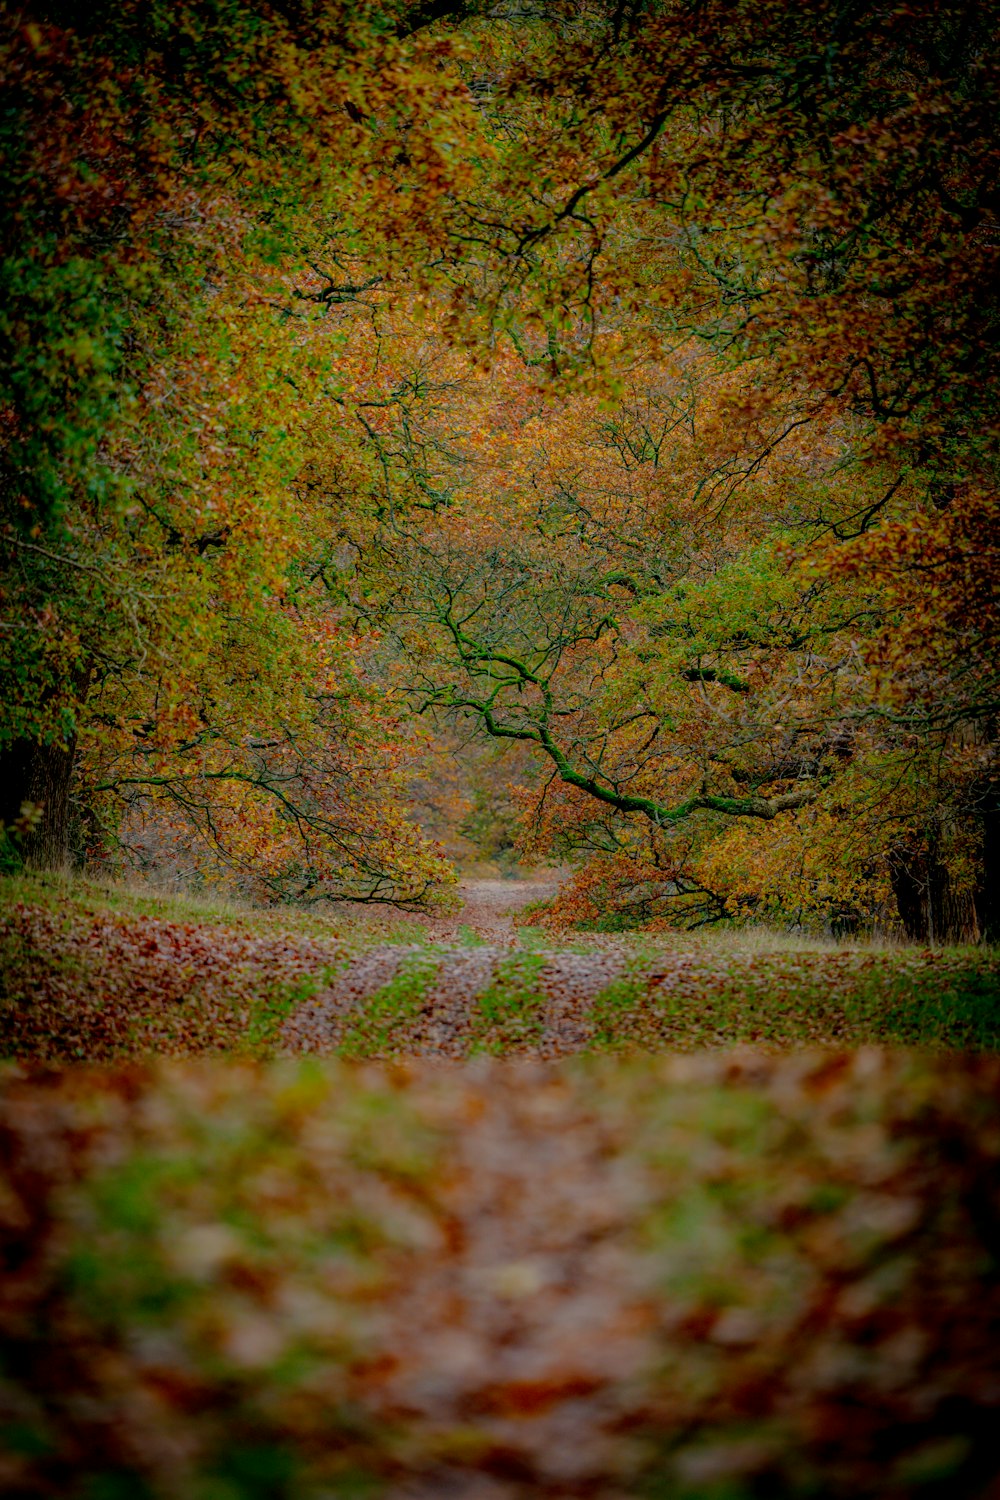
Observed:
{"x":510,"y":1011}
{"x":108,"y":969}
{"x":616,"y":1004}
{"x":99,"y":971}
{"x":274,"y":1006}
{"x":779,"y":998}
{"x":134,"y":898}
{"x":390,"y":1009}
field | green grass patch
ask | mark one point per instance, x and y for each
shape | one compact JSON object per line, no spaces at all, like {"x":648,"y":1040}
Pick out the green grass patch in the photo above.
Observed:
{"x":613,"y":1013}
{"x":383,"y":1017}
{"x":909,"y":997}
{"x":269,"y":1009}
{"x":510,"y":1012}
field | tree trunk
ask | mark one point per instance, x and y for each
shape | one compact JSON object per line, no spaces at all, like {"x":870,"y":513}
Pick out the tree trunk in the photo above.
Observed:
{"x":40,"y":774}
{"x":907,"y":887}
{"x":988,"y":888}
{"x":930,"y":908}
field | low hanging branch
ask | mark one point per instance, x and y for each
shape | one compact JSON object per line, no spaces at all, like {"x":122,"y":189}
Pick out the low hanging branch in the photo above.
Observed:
{"x":658,"y":813}
{"x":519,"y":675}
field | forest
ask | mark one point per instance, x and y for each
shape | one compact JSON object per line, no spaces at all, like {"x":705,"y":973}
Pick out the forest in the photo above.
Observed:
{"x":614,"y":382}
{"x":499,"y":563}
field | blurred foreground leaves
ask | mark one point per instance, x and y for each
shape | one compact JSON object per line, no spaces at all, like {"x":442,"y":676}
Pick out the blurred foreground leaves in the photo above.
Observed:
{"x":727,"y":1276}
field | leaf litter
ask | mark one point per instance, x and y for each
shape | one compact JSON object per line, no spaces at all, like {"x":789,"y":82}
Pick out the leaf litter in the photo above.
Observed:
{"x":731,"y":1274}
{"x":96,"y":984}
{"x":485,"y":1266}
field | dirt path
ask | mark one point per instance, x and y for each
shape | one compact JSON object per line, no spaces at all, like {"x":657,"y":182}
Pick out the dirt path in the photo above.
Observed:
{"x":490,"y":908}
{"x":474,"y":999}
{"x":539,"y":1000}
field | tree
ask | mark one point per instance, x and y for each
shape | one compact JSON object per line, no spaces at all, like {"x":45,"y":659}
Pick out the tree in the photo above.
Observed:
{"x":677,"y":669}
{"x":725,"y":281}
{"x":811,"y":194}
{"x":162,"y":163}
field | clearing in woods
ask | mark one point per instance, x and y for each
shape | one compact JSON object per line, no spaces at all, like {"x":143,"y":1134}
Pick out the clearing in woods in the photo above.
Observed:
{"x":100,"y":973}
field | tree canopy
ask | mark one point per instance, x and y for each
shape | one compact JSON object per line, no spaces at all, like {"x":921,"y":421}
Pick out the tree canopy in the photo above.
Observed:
{"x":615,"y":379}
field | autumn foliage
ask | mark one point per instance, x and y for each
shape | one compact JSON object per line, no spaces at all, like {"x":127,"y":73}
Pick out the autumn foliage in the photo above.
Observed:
{"x":619,"y":381}
{"x":436,"y":430}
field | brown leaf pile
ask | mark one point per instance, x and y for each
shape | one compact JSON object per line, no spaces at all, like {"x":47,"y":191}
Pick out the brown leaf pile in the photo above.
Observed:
{"x":101,"y":985}
{"x":731,"y":1276}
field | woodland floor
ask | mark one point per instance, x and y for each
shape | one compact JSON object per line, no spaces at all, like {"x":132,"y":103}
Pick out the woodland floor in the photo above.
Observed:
{"x":100,"y":973}
{"x":478,"y":1262}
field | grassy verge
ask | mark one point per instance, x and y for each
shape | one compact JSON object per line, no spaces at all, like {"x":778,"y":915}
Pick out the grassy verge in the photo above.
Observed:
{"x":134,"y":900}
{"x":94,"y":972}
{"x":906,"y":997}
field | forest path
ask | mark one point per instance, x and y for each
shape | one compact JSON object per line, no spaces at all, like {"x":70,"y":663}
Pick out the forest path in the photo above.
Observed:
{"x":88,"y":973}
{"x":489,"y":909}
{"x":472,"y":985}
